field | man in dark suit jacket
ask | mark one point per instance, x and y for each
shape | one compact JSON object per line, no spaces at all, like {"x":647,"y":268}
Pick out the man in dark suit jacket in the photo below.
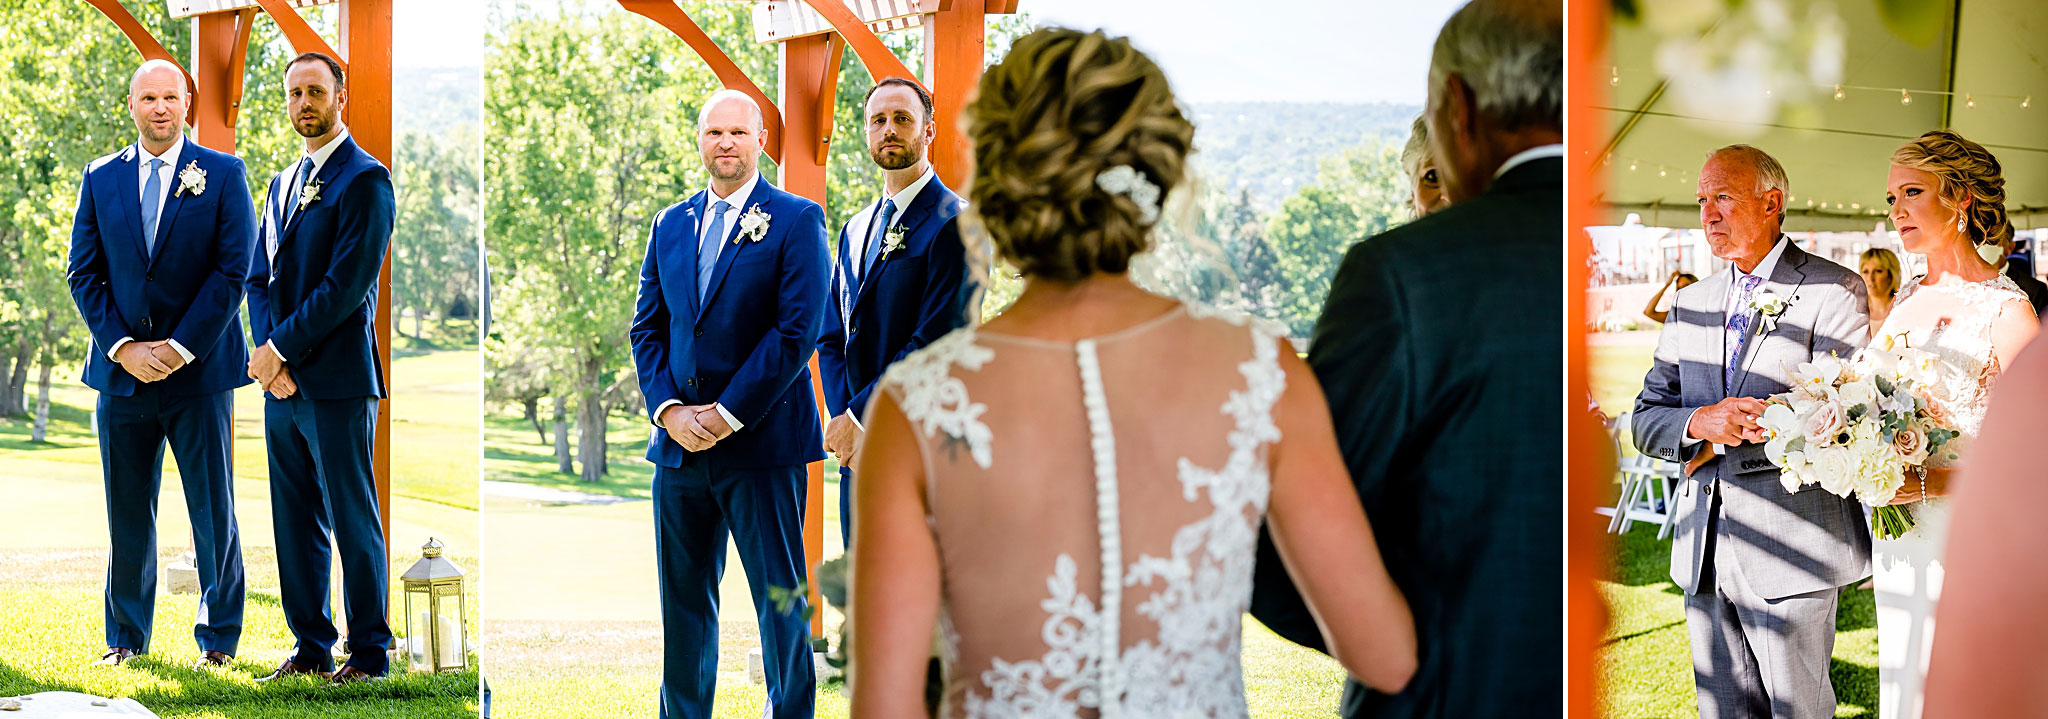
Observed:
{"x":159,"y":247}
{"x":896,"y":282}
{"x":312,"y":304}
{"x":1443,"y":381}
{"x":731,"y":297}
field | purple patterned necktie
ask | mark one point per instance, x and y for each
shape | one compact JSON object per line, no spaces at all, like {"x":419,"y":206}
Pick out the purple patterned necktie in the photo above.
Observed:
{"x":1738,"y":326}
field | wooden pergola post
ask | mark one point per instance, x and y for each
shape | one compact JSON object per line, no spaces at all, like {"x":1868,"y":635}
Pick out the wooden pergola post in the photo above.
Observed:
{"x":812,"y":35}
{"x":220,"y":46}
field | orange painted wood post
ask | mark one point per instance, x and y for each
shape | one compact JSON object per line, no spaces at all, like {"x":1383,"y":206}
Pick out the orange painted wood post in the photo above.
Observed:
{"x":220,"y":41}
{"x":1591,"y":465}
{"x":366,"y":42}
{"x":955,"y":38}
{"x":806,"y":62}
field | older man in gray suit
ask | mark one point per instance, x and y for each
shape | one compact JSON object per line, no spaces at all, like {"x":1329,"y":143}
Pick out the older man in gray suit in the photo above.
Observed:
{"x":1762,"y":569}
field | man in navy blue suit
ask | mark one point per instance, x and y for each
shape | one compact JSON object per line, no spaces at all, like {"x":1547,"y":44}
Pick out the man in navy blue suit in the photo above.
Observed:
{"x":312,"y":298}
{"x":896,"y":282}
{"x":731,"y":298}
{"x":159,"y":248}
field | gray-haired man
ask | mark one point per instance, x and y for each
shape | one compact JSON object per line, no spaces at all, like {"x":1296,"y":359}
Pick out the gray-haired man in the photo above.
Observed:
{"x":1762,"y":569}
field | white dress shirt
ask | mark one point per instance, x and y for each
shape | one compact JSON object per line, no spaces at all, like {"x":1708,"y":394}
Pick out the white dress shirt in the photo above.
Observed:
{"x":738,"y":206}
{"x":860,"y":226}
{"x":286,"y":206}
{"x":167,"y":177}
{"x":1533,"y":153}
{"x":1735,"y":274}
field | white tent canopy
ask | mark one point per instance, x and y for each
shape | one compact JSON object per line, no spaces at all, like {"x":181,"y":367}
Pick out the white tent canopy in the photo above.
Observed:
{"x":1836,"y":151}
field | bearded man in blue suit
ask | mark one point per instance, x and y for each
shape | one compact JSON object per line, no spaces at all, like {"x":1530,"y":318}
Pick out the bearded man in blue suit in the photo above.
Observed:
{"x":159,"y":249}
{"x":897,"y":280}
{"x":312,"y":309}
{"x":732,"y":294}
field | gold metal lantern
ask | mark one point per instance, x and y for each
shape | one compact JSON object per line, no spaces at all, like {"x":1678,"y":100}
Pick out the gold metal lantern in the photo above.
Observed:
{"x":436,"y":611}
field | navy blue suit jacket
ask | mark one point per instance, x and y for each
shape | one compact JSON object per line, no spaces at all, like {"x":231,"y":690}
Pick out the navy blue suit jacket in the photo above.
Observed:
{"x":910,"y":298}
{"x":189,"y":291}
{"x":749,"y":346}
{"x":317,"y":302}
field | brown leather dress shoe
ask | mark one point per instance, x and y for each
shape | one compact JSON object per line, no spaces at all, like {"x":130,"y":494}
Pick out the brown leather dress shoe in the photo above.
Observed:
{"x":290,"y":669}
{"x":349,"y":674}
{"x":213,"y":660}
{"x":114,"y":657}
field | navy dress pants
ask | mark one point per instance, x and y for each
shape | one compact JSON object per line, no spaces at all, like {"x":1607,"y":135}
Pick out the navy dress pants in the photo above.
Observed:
{"x":323,"y":501}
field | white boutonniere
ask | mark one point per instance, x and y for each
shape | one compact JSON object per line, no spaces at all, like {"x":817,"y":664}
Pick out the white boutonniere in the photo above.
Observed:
{"x":1768,"y":307}
{"x":894,"y":240}
{"x":309,"y":194}
{"x":191,"y":179}
{"x":753,"y":225}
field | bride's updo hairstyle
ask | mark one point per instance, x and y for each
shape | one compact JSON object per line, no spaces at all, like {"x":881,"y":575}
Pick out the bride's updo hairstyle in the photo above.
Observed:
{"x":1060,"y":110}
{"x":1966,"y":170}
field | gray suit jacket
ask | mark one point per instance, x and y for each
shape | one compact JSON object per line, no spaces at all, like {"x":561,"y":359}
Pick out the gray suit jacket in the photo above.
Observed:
{"x":1787,"y":543}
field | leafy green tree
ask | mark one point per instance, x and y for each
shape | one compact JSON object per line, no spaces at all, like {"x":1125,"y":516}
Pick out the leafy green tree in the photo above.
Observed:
{"x":1357,"y":194}
{"x":434,"y":248}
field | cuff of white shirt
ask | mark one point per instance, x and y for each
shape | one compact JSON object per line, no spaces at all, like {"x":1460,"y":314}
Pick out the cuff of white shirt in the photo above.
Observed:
{"x":273,"y":351}
{"x":730,"y":421}
{"x":182,"y":352}
{"x":856,"y":421}
{"x":1689,"y":440}
{"x":117,"y":347}
{"x":664,"y":408}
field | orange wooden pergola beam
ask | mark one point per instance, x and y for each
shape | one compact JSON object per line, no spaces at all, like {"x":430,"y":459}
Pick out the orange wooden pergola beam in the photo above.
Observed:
{"x":668,"y":15}
{"x":828,"y":92}
{"x":873,"y":54}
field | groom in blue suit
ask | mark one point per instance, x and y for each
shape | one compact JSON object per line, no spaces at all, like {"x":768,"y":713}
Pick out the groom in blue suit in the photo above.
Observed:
{"x":896,"y":282}
{"x":159,"y":248}
{"x":312,"y":304}
{"x":731,"y":298}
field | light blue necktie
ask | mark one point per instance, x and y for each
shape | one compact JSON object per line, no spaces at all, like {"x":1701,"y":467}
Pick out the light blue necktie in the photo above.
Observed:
{"x":1738,"y":325}
{"x":707,"y":248}
{"x":875,"y":238}
{"x":152,"y":204}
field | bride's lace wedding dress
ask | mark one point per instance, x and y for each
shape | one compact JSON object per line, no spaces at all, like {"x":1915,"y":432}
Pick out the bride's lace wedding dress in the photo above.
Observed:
{"x":1096,"y":507}
{"x":1953,"y":321}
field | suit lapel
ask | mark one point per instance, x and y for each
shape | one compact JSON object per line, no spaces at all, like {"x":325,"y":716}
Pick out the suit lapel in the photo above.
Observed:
{"x":1784,"y":282}
{"x":328,"y":170}
{"x":130,"y":189}
{"x":913,"y":218}
{"x":693,"y":216}
{"x":728,"y":249}
{"x":169,"y":214}
{"x":1718,"y":297}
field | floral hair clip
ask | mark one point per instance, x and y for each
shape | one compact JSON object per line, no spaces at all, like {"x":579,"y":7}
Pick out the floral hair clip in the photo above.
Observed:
{"x":1125,"y":180}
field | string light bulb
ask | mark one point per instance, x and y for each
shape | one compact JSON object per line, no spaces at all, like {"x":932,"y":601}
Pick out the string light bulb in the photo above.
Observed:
{"x":1631,"y":165}
{"x":1905,"y":98}
{"x":1838,"y":93}
{"x":1970,"y":101}
{"x":1615,"y":78}
{"x":2029,"y":100}
{"x":1662,"y":173}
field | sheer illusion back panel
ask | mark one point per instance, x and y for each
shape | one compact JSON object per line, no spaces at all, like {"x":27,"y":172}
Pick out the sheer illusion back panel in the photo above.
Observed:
{"x":1019,"y":526}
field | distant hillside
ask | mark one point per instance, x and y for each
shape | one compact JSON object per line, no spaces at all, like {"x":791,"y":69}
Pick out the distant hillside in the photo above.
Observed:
{"x":1272,"y":147}
{"x":433,"y":100}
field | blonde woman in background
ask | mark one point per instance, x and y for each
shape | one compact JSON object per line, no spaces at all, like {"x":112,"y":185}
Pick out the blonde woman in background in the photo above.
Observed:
{"x":1880,"y":270}
{"x":1426,"y":189}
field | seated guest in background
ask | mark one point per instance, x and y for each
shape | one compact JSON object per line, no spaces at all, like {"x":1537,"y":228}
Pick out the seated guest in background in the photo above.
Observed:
{"x":1677,"y":281}
{"x":1880,"y":270}
{"x":1999,"y":254}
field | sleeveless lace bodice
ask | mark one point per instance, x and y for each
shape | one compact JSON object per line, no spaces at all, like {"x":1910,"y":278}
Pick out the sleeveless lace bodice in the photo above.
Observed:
{"x":1961,"y":341}
{"x":1096,"y":507}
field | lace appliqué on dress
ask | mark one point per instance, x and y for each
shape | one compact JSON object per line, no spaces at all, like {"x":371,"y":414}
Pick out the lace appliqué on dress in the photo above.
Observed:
{"x":934,"y":400}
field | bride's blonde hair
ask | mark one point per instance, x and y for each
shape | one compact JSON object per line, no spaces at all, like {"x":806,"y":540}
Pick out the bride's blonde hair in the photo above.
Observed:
{"x":1060,"y":109}
{"x":1965,"y":170}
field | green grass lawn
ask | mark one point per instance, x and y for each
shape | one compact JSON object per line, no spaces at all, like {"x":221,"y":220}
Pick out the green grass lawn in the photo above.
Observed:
{"x":574,"y":628}
{"x":1646,"y":661}
{"x":55,"y":542}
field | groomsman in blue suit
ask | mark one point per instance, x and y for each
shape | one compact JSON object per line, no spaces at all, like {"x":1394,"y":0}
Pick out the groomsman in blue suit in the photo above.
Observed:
{"x":159,"y":248}
{"x":731,"y":298}
{"x":312,"y":300}
{"x":897,"y":279}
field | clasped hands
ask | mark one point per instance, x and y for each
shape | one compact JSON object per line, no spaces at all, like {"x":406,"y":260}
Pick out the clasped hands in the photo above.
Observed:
{"x":695,"y":427}
{"x":269,"y":371}
{"x":842,"y":439}
{"x":149,"y":361}
{"x":1729,"y":422}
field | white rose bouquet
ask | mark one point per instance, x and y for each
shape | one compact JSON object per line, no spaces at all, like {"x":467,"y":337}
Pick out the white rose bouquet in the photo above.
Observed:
{"x":1855,"y":427}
